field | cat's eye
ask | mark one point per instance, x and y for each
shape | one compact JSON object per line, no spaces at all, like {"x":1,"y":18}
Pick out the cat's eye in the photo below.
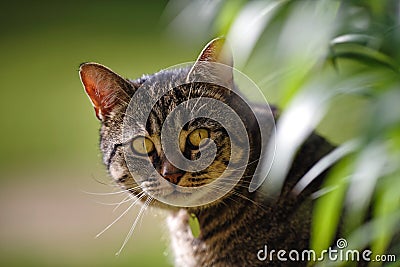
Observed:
{"x":197,"y":136}
{"x":142,"y":145}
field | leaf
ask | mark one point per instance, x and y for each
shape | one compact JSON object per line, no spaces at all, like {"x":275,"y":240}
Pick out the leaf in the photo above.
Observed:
{"x":194,"y":225}
{"x":387,"y":202}
{"x":227,"y":15}
{"x":295,"y":124}
{"x":248,"y":27}
{"x":328,"y":208}
{"x":363,"y":181}
{"x":358,"y":38}
{"x":363,"y":54}
{"x":324,"y":163}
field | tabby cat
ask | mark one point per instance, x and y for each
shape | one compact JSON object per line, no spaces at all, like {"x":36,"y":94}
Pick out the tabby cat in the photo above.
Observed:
{"x":235,"y":227}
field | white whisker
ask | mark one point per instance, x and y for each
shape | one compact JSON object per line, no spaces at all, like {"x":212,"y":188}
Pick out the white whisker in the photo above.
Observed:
{"x":194,"y":106}
{"x":202,"y":106}
{"x":103,"y":193}
{"x":190,"y":92}
{"x":129,"y":235}
{"x":215,"y":187}
{"x":141,"y":195}
{"x":126,"y":199}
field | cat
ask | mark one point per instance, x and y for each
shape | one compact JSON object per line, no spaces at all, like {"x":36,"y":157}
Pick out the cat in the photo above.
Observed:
{"x":235,"y":227}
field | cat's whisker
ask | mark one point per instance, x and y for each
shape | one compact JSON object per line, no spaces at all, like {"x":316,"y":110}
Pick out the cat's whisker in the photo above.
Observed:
{"x":133,"y":189}
{"x":101,"y":182}
{"x":121,"y":100}
{"x":216,"y":188}
{"x":237,"y":194}
{"x":125,"y":200}
{"x":242,"y":184}
{"x":246,"y":165}
{"x":237,"y":171}
{"x":198,"y":99}
{"x":188,"y":98}
{"x":129,"y":235}
{"x":104,"y":193}
{"x":128,"y":198}
{"x":127,"y":115}
{"x":245,"y":197}
{"x":202,"y":106}
{"x":140,"y":196}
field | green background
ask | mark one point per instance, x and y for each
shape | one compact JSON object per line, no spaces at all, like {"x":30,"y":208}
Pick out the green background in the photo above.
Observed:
{"x":49,"y":154}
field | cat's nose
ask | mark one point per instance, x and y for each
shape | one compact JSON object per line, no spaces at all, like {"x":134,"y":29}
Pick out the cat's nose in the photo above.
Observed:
{"x":171,"y":173}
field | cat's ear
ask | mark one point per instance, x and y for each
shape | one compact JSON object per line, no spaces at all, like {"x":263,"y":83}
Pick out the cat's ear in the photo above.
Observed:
{"x":106,"y":89}
{"x":216,"y":51}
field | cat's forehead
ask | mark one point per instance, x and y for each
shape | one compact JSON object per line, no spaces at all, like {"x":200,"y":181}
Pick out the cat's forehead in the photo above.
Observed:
{"x":166,"y":110}
{"x":168,"y":90}
{"x":174,"y":85}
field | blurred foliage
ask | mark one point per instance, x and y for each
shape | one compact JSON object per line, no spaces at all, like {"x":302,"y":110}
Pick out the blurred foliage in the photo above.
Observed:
{"x":331,"y":66}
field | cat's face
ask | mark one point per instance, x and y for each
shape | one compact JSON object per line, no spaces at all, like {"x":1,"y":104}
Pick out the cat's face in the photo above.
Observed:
{"x":133,"y":151}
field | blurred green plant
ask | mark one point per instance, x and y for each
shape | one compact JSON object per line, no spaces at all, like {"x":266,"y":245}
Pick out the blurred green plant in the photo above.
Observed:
{"x":307,"y":55}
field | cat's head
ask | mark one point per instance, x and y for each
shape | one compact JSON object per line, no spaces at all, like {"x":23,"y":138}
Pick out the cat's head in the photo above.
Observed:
{"x":133,"y":149}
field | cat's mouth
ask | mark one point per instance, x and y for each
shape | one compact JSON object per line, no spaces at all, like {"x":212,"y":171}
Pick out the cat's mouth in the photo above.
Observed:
{"x":172,"y":194}
{"x":161,"y":187}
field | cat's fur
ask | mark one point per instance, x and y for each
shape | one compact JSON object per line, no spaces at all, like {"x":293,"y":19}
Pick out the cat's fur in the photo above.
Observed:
{"x":235,"y":227}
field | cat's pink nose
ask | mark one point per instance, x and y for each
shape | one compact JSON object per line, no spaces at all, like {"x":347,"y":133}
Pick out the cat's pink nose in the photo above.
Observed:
{"x":170,"y":172}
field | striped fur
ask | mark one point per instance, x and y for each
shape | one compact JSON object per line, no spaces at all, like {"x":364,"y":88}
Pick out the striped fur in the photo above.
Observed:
{"x":235,"y":227}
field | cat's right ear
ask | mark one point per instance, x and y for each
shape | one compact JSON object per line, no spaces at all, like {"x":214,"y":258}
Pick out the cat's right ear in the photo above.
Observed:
{"x":106,"y":89}
{"x":214,"y":63}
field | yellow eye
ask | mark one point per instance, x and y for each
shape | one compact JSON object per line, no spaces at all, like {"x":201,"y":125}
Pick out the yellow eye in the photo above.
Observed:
{"x":196,"y":136}
{"x":142,"y":145}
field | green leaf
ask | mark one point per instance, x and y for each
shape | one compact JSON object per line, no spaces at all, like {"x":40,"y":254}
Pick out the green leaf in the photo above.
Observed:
{"x":194,"y":225}
{"x":387,"y":202}
{"x":362,"y":53}
{"x":328,"y":207}
{"x":227,"y":15}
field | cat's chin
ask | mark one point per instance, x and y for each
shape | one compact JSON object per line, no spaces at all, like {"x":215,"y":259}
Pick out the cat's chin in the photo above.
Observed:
{"x":170,"y":194}
{"x":184,"y":197}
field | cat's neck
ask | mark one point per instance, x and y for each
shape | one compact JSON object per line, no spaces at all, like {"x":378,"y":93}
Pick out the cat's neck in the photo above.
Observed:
{"x":232,"y":233}
{"x":234,"y":230}
{"x":221,"y":228}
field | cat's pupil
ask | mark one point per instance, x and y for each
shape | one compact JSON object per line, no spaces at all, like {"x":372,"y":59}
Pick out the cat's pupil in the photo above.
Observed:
{"x":197,"y":136}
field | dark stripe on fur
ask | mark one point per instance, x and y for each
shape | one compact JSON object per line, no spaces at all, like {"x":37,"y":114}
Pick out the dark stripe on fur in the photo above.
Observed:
{"x":112,"y":154}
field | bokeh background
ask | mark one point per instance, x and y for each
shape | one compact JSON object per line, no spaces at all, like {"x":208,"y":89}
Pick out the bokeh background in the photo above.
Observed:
{"x":54,"y":191}
{"x":49,"y":154}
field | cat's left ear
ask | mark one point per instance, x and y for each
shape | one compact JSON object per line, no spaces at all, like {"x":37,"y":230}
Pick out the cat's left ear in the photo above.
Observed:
{"x":216,"y":51}
{"x":106,"y":89}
